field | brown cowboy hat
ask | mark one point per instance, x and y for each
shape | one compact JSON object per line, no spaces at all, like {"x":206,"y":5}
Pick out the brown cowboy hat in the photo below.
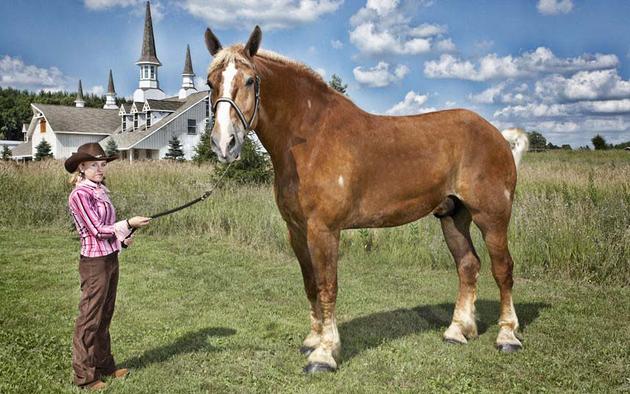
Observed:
{"x":86,"y":152}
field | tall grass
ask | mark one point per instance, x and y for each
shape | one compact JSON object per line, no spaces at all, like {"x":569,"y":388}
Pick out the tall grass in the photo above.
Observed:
{"x":571,"y":216}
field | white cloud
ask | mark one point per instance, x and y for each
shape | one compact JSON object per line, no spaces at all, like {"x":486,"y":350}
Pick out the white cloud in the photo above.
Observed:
{"x":321,"y":72}
{"x":529,"y":64}
{"x":201,"y":84}
{"x":269,"y":14}
{"x":16,"y":74}
{"x":98,"y":90}
{"x":105,"y":4}
{"x":382,"y":27}
{"x":504,"y":92}
{"x":554,"y":7}
{"x":336,"y":44}
{"x":446,"y":45}
{"x":450,"y":104}
{"x":410,"y":105}
{"x":584,"y":85}
{"x":379,"y":76}
{"x":543,"y":110}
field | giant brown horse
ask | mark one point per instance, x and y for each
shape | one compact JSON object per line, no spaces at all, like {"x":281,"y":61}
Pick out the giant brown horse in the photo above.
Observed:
{"x":338,"y":167}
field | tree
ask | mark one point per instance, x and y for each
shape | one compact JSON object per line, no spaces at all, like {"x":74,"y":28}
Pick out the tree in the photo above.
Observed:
{"x":252,"y":167}
{"x":537,"y":142}
{"x":203,"y":150}
{"x":175,"y":151}
{"x":566,"y":147}
{"x":6,"y":153}
{"x":599,"y":142}
{"x":337,"y":84}
{"x":43,"y":151}
{"x":111,"y":149}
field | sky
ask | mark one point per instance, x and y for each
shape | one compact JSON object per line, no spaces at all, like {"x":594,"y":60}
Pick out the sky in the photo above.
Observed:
{"x":561,"y":67}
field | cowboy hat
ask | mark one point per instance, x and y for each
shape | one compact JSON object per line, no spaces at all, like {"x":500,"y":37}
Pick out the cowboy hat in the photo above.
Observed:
{"x":86,"y":152}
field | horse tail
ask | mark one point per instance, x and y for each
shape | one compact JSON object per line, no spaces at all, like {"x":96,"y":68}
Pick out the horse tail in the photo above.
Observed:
{"x":519,"y":142}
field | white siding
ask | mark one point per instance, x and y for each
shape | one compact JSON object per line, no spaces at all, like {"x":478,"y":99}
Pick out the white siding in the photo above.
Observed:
{"x":178,"y":127}
{"x":68,"y":143}
{"x":49,"y":136}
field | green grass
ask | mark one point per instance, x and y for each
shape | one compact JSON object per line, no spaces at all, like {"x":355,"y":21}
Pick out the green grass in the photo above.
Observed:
{"x":196,"y":314}
{"x":211,"y":300}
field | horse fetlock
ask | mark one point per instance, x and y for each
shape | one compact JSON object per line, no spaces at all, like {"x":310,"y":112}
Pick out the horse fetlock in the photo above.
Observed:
{"x":454,"y":334}
{"x":312,"y":340}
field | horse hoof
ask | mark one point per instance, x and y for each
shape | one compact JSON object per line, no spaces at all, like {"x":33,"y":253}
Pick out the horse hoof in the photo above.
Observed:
{"x":509,"y":348}
{"x":452,"y":341}
{"x":305,"y":350}
{"x":318,"y":367}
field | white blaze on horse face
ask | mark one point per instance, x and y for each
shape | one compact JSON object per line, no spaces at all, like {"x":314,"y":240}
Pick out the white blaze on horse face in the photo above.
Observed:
{"x":224,"y":122}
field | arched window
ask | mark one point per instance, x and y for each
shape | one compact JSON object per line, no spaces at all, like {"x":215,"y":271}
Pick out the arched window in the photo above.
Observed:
{"x":42,"y":125}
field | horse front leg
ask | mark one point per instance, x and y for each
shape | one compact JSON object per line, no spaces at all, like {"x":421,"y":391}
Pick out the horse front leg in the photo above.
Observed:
{"x":323,"y":247}
{"x":297,"y":237}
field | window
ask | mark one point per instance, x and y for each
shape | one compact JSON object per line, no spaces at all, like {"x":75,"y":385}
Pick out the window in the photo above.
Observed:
{"x":135,"y":121}
{"x":208,"y":107}
{"x":42,"y":125}
{"x":149,"y":154}
{"x":152,"y":72}
{"x":192,"y":126}
{"x":124,"y":123}
{"x":148,"y":119}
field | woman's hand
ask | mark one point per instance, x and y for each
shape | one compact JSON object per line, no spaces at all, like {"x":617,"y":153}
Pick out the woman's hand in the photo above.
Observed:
{"x":128,"y":241}
{"x":138,"y":221}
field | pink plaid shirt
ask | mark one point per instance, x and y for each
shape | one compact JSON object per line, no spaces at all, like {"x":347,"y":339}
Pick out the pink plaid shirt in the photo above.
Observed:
{"x":95,"y":218}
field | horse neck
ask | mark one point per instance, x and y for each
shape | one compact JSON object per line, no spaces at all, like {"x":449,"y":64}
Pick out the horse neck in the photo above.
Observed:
{"x":290,"y":98}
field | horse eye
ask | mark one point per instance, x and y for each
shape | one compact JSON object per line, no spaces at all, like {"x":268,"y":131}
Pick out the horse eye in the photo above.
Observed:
{"x":250,"y":81}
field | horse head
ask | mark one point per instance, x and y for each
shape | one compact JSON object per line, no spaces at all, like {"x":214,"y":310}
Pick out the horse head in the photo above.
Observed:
{"x":235,"y":87}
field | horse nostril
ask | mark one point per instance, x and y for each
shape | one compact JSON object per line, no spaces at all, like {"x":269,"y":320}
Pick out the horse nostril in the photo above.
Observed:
{"x":232,"y":142}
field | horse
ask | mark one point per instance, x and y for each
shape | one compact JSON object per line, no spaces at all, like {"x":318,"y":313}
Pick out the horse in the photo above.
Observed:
{"x":338,"y":167}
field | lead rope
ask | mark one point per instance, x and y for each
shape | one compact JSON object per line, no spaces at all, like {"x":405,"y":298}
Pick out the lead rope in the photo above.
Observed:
{"x":205,"y":195}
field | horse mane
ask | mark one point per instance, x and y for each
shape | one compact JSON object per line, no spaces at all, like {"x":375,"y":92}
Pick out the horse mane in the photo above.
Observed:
{"x":235,"y":53}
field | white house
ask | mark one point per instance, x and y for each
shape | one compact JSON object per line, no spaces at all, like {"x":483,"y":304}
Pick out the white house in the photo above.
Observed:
{"x":141,"y":129}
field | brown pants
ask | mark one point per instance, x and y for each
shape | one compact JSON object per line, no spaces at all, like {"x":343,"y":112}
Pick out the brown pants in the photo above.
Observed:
{"x":91,"y":351}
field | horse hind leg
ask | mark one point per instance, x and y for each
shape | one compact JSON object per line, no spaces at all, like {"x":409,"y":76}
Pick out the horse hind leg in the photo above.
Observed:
{"x":456,"y":229}
{"x":494,"y":231}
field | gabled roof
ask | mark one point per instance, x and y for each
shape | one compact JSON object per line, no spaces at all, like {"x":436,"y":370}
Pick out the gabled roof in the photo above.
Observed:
{"x":24,"y":149}
{"x":163,"y":105}
{"x":78,"y":120}
{"x":128,"y":140}
{"x":148,"y":54}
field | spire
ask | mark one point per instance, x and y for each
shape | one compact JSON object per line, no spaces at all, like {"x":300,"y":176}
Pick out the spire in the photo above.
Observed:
{"x":148,"y":54}
{"x":79,"y":102}
{"x":110,"y":97}
{"x":188,"y":75}
{"x":188,"y":70}
{"x":110,"y":85}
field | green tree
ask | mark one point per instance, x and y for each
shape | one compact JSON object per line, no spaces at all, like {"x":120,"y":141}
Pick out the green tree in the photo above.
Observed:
{"x":253,"y":166}
{"x":175,"y":151}
{"x":6,"y":153}
{"x":203,"y":150}
{"x":111,"y":148}
{"x":537,"y":142}
{"x":337,"y":84}
{"x":43,"y":151}
{"x":566,"y":147}
{"x":599,"y":142}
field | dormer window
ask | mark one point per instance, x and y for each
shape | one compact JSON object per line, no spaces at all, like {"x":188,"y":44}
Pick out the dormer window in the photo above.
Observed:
{"x":124,"y":123}
{"x":148,"y":119}
{"x":135,"y":121}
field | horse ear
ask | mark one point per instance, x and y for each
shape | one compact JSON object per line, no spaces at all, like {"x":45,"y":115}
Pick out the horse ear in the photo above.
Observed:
{"x":254,"y":42}
{"x":212,"y":42}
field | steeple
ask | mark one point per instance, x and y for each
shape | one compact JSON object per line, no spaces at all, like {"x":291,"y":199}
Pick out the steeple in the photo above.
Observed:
{"x":148,"y":54}
{"x":79,"y":102}
{"x":149,"y":86}
{"x":188,"y":77}
{"x":110,"y":102}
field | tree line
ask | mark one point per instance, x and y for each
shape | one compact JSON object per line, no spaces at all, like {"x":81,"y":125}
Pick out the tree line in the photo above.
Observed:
{"x":15,"y":107}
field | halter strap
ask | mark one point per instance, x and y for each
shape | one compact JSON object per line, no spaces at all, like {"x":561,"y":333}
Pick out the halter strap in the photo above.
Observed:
{"x":247,"y":124}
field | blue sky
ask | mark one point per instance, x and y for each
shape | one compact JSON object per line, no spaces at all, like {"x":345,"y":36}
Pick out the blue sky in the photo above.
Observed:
{"x":558,"y":66}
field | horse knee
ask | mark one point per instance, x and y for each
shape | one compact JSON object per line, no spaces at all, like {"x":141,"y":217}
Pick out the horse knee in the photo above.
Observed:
{"x":468,"y":267}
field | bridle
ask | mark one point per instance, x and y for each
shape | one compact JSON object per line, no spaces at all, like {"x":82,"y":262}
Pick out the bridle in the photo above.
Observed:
{"x":246,"y":124}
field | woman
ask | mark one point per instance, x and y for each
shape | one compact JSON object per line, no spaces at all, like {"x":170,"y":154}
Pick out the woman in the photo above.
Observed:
{"x":101,"y":239}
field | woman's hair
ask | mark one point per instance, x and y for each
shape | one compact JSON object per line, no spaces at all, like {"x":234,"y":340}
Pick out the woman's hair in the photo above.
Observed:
{"x":76,"y":177}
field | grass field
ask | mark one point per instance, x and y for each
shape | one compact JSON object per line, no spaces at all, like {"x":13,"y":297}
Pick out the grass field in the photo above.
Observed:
{"x":211,"y":299}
